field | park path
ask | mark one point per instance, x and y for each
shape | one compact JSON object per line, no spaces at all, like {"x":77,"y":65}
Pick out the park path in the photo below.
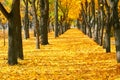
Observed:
{"x":72,"y":56}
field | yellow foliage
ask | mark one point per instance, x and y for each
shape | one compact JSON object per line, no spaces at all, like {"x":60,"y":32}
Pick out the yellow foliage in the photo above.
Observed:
{"x":1,"y":0}
{"x":74,"y":10}
{"x":2,"y":19}
{"x":73,"y":7}
{"x":72,"y":56}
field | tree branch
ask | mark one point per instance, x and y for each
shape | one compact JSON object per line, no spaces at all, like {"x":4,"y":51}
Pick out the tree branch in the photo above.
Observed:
{"x":30,"y":1}
{"x":24,"y":2}
{"x":4,"y":11}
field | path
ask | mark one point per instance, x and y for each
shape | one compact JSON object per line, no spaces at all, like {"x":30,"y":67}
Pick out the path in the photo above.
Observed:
{"x":72,"y":56}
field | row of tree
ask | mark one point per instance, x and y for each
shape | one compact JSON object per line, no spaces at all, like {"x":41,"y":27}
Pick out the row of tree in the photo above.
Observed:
{"x":41,"y":19}
{"x":97,"y":20}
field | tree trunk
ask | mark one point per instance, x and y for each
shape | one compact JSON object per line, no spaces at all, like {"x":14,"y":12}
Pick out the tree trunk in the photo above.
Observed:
{"x":15,"y":49}
{"x":19,"y":39}
{"x":107,"y":38}
{"x":36,"y":25}
{"x":84,"y":19}
{"x":26,"y":21}
{"x":44,"y":10}
{"x":116,"y":29}
{"x":96,"y":31}
{"x":101,"y":21}
{"x":108,"y":29}
{"x":89,"y":24}
{"x":15,"y":40}
{"x":93,"y":16}
{"x":56,"y":18}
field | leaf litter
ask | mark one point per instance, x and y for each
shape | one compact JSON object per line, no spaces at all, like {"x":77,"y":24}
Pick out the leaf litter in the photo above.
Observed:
{"x":72,"y":56}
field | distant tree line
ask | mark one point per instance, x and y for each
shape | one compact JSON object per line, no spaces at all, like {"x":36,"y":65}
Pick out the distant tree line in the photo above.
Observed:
{"x":98,"y":20}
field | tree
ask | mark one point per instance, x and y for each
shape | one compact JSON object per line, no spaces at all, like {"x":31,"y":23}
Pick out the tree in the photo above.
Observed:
{"x":36,"y":24}
{"x":26,"y":20}
{"x":108,"y":28}
{"x":15,"y":48}
{"x":95,"y":21}
{"x":66,"y":9}
{"x":56,"y":18}
{"x":101,"y":21}
{"x":114,"y":6}
{"x":84,"y":22}
{"x":44,"y":11}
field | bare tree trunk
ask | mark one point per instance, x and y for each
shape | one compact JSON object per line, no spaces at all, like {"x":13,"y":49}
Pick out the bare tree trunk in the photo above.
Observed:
{"x":84,"y":19}
{"x":108,"y":29}
{"x":101,"y":21}
{"x":96,"y":31}
{"x":116,"y":29}
{"x":15,"y":49}
{"x":26,"y":21}
{"x":93,"y":16}
{"x":56,"y":18}
{"x":44,"y":10}
{"x":89,"y":23}
{"x":36,"y":24}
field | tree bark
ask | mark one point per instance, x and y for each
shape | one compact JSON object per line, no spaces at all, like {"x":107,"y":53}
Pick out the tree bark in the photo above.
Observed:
{"x":44,"y":10}
{"x":93,"y":16}
{"x":26,"y":21}
{"x":36,"y":24}
{"x":96,"y":31}
{"x":84,"y":19}
{"x":15,"y":48}
{"x":101,"y":21}
{"x":108,"y":29}
{"x":89,"y":24}
{"x":116,"y":29}
{"x":56,"y":18}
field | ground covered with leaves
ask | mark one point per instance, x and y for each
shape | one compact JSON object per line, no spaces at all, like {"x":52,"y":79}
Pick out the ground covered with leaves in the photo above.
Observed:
{"x":72,"y":56}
